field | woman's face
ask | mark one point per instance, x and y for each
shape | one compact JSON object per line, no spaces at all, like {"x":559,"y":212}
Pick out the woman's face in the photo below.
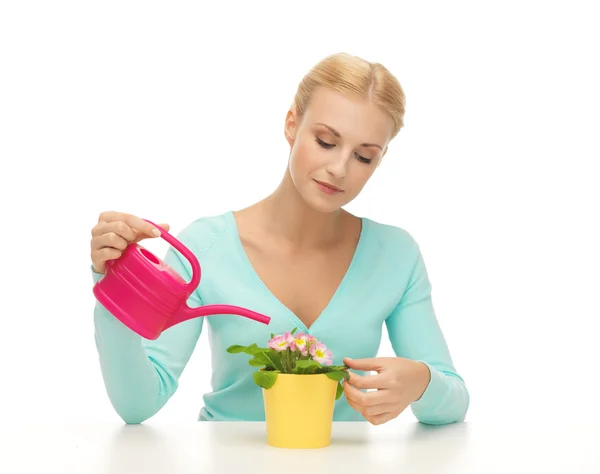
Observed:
{"x":344,"y":156}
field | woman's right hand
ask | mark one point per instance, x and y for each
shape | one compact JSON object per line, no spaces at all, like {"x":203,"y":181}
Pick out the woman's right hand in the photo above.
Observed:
{"x":114,"y":232}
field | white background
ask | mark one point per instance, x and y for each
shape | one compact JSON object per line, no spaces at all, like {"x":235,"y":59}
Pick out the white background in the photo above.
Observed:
{"x":176,"y":110}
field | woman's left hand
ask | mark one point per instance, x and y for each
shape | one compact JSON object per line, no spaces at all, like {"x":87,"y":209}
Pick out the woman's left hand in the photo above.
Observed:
{"x":399,"y":382}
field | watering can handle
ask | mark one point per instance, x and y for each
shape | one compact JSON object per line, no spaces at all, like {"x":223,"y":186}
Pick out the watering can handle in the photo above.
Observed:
{"x":185,"y":252}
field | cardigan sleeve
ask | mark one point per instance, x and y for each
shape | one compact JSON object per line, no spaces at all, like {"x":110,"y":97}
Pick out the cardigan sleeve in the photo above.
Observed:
{"x":141,"y":375}
{"x":415,"y":334}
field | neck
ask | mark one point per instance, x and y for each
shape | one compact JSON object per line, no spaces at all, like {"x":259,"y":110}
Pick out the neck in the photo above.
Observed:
{"x":287,"y":216}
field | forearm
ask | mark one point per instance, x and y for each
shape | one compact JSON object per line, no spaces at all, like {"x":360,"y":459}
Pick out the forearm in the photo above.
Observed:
{"x":141,"y":375}
{"x":132,"y":382}
{"x":444,"y":400}
{"x":415,"y":334}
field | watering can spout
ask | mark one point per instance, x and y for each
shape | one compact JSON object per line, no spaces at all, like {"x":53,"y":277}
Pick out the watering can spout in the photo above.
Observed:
{"x":187,"y":313}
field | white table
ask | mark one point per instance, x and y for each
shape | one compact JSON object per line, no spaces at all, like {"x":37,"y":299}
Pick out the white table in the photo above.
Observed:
{"x":399,"y":447}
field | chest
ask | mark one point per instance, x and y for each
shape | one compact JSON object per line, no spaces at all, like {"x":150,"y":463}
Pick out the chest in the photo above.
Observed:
{"x":304,"y":282}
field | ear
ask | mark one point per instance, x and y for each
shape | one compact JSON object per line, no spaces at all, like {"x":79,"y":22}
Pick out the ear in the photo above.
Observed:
{"x":291,"y":125}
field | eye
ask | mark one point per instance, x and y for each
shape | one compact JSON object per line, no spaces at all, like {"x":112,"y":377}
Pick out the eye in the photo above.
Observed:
{"x":362,"y":159}
{"x":323,"y":144}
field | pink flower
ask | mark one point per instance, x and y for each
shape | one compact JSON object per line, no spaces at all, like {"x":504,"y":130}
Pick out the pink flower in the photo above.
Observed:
{"x":299,"y":343}
{"x":320,"y":353}
{"x":289,"y":337}
{"x":281,"y":343}
{"x":310,"y":339}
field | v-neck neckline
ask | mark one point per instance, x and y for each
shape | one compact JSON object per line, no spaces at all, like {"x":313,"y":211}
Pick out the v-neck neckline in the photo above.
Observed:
{"x":336,"y":295}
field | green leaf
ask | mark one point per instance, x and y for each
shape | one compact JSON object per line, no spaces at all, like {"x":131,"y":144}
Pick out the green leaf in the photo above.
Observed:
{"x":263,"y":358}
{"x":259,"y":360}
{"x":337,"y":375}
{"x":334,"y":369}
{"x":306,"y":366}
{"x":338,"y":367}
{"x":251,"y":349}
{"x":339,"y":391}
{"x":294,"y":330}
{"x":272,"y":335}
{"x":275,"y":358}
{"x":254,"y":349}
{"x":236,"y":349}
{"x":341,"y":370}
{"x":265,"y":378}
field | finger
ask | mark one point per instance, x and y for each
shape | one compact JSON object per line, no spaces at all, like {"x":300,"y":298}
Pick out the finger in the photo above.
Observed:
{"x":117,"y":227}
{"x":124,"y":230}
{"x":352,"y":394}
{"x":368,"y":364}
{"x":106,"y":253}
{"x":110,"y":239}
{"x":356,"y":407}
{"x":367,"y":410}
{"x":142,"y":236}
{"x":378,"y":410}
{"x":132,"y":221}
{"x":365,"y":398}
{"x":369,"y":381}
{"x":382,"y":418}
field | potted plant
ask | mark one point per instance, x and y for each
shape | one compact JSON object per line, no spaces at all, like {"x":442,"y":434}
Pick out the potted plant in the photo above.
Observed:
{"x":299,"y":385}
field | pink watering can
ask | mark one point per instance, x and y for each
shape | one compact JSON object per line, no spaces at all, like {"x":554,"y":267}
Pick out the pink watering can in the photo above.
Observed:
{"x":148,"y":296}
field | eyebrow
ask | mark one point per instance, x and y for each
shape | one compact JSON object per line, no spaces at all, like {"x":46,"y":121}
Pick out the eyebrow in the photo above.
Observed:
{"x":337,"y":134}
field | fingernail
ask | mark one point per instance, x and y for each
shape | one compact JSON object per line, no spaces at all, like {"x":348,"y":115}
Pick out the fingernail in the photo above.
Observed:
{"x":156,"y":232}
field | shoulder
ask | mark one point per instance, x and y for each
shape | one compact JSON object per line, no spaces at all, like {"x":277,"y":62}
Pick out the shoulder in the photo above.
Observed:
{"x":392,"y":238}
{"x":201,"y":234}
{"x":395,"y":254}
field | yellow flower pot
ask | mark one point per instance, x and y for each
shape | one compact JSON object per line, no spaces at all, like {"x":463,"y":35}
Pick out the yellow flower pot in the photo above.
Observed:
{"x":299,"y":411}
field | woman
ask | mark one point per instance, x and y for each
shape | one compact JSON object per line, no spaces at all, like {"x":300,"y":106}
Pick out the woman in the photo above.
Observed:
{"x":300,"y":258}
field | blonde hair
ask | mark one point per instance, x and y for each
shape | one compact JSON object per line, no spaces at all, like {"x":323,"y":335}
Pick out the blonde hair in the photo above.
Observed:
{"x":355,"y":78}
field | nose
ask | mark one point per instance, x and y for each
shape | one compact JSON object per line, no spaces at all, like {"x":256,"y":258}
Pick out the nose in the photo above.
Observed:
{"x":338,"y":165}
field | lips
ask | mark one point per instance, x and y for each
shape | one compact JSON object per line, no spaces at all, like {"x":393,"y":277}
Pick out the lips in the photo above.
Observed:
{"x":330,"y":186}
